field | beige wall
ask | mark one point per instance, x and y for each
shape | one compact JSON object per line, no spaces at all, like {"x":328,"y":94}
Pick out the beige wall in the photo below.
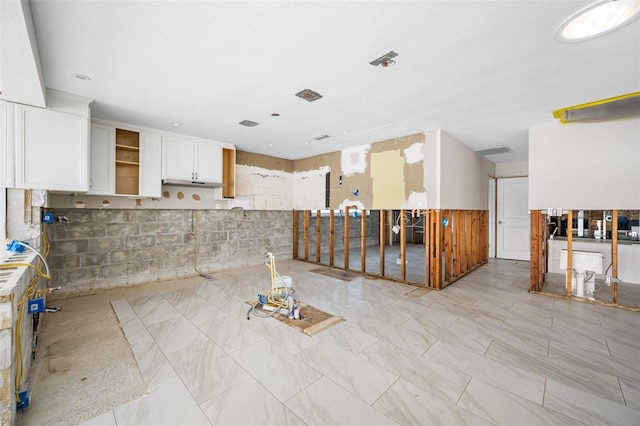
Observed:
{"x":585,"y":165}
{"x":463,"y":176}
{"x":512,"y":169}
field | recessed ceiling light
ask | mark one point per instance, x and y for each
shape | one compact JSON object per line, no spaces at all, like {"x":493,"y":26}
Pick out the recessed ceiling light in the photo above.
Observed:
{"x":307,"y":142}
{"x":270,"y":145}
{"x":248,"y":123}
{"x":346,"y":132}
{"x":600,"y":18}
{"x":82,"y":77}
{"x":177,"y":124}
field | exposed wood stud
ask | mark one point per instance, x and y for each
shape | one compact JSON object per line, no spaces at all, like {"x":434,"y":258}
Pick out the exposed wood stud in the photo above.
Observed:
{"x":569,"y":253}
{"x":306,"y":234}
{"x":614,"y":256}
{"x":295,"y":234}
{"x":332,"y":224}
{"x":318,"y":235}
{"x":427,"y":247}
{"x":438,"y":248}
{"x":382,"y":241}
{"x":363,"y":241}
{"x":346,"y":237}
{"x":447,"y":245}
{"x":403,"y":247}
{"x":535,"y":250}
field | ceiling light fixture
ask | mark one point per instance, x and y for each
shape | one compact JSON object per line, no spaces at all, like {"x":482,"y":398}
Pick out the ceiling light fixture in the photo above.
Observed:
{"x":176,"y":124}
{"x":385,"y":60}
{"x":600,"y":18}
{"x":308,"y":95}
{"x":82,"y":77}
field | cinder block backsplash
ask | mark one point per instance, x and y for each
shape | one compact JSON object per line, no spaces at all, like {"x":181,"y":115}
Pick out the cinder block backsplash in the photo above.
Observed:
{"x":110,"y":248}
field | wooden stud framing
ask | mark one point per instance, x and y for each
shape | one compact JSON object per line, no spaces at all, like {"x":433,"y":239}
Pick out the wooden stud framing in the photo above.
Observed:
{"x":456,"y":243}
{"x":346,"y":237}
{"x":438,"y":250}
{"x":318,"y":235}
{"x":569,"y":253}
{"x":382,"y":241}
{"x":447,"y":245}
{"x":363,"y":241}
{"x":403,"y":247}
{"x":614,"y":257}
{"x":535,"y":267}
{"x":295,"y":234}
{"x":427,"y":248}
{"x":306,"y":234}
{"x":332,"y":223}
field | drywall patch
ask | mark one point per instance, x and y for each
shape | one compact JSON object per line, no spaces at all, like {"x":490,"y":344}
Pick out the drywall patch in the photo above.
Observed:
{"x":309,"y":189}
{"x":387,"y":175}
{"x":354,"y":160}
{"x":351,"y":203}
{"x":416,"y":200}
{"x":180,"y":195}
{"x":166,"y":194}
{"x":414,"y":153}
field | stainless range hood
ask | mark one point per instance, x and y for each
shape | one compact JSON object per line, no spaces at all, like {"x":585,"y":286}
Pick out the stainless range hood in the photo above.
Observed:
{"x":192,"y":183}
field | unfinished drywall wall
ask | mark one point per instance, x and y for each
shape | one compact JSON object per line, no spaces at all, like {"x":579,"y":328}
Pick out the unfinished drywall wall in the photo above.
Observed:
{"x":388,"y":174}
{"x":258,"y":188}
{"x":585,"y":165}
{"x":463,"y":176}
{"x":110,"y":248}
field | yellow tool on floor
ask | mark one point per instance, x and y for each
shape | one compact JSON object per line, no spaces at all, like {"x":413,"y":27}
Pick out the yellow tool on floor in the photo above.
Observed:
{"x":278,"y":299}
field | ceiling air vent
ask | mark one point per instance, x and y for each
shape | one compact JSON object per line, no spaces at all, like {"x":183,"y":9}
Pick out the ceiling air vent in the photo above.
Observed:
{"x":248,"y":123}
{"x":308,"y":95}
{"x":385,"y":60}
{"x":493,"y":151}
{"x":320,"y":137}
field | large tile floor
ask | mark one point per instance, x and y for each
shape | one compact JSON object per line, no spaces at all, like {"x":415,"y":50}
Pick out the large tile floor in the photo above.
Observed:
{"x":482,"y":351}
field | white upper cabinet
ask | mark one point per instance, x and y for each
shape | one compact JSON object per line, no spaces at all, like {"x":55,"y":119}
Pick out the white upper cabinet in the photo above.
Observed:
{"x":189,"y":160}
{"x":125,"y":162}
{"x":103,"y":144}
{"x":7,"y":143}
{"x":52,"y":150}
{"x":150,"y":166}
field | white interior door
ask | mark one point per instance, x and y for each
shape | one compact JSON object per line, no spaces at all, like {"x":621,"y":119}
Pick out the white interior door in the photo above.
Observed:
{"x":513,"y":219}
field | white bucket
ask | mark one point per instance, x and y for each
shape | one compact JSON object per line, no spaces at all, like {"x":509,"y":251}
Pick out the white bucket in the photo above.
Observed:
{"x":284,"y":281}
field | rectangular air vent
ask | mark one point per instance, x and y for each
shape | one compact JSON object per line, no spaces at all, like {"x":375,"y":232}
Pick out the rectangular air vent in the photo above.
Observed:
{"x":248,"y":123}
{"x":308,"y":95}
{"x":493,"y":151}
{"x":320,"y":137}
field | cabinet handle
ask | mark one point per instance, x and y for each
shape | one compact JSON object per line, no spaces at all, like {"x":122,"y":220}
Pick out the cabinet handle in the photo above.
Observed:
{"x":196,"y":175}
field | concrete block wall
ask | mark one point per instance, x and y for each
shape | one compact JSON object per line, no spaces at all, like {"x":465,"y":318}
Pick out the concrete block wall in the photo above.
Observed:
{"x":99,"y":248}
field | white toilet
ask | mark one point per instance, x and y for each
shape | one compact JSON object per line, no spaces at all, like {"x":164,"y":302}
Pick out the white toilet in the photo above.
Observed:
{"x":582,"y":263}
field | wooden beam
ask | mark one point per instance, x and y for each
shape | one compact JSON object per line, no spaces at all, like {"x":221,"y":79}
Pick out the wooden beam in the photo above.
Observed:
{"x":438,"y":249}
{"x":332,"y":223}
{"x":306,"y":234}
{"x":614,"y":257}
{"x":295,"y":234}
{"x":447,"y":245}
{"x":427,"y":247}
{"x":456,"y":243}
{"x":318,"y":235}
{"x":569,"y":253}
{"x":363,"y":241}
{"x":346,"y":237}
{"x":383,"y":234}
{"x":535,"y":250}
{"x":403,"y":247}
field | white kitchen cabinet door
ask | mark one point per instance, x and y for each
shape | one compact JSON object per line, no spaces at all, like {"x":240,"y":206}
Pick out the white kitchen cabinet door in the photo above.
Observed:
{"x":7,"y":144}
{"x":177,"y":159}
{"x":150,"y":165}
{"x":208,"y":163}
{"x":103,"y":146}
{"x":52,"y":150}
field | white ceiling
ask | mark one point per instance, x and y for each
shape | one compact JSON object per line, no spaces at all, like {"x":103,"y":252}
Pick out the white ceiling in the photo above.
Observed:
{"x":484,"y":71}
